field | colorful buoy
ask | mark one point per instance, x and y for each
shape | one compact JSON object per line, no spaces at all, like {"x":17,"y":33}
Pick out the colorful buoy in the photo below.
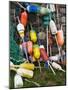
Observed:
{"x":18,"y":81}
{"x":54,"y":58}
{"x":30,"y":47}
{"x":60,"y":37}
{"x":33,"y":36}
{"x":57,"y":66}
{"x":24,"y":17}
{"x":36,"y":51}
{"x":43,"y":53}
{"x":20,"y":28}
{"x":53,"y":27}
{"x":25,"y":72}
{"x":33,"y":8}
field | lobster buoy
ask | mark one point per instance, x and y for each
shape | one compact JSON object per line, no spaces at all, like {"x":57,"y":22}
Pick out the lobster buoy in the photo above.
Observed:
{"x":30,"y":47}
{"x":43,"y":53}
{"x":28,"y":66}
{"x":24,"y":18}
{"x":33,"y":8}
{"x":57,"y":66}
{"x":18,"y":82}
{"x":20,"y":28}
{"x":60,"y":37}
{"x":25,"y":73}
{"x":36,"y":51}
{"x":33,"y":36}
{"x":44,"y":10}
{"x":53,"y":27}
{"x":54,"y":58}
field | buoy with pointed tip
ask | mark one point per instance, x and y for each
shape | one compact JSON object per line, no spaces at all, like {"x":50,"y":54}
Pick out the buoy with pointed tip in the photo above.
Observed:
{"x":24,"y":17}
{"x":36,"y":51}
{"x":33,"y":36}
{"x":53,"y":27}
{"x":54,"y":58}
{"x":57,"y":66}
{"x":60,"y":37}
{"x":30,"y":47}
{"x":28,"y":66}
{"x":25,"y":73}
{"x":43,"y":53}
{"x":18,"y":81}
{"x":33,"y":8}
{"x":20,"y":28}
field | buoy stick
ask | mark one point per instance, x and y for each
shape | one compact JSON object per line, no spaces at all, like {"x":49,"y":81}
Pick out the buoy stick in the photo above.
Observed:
{"x":62,"y":70}
{"x":26,"y":52}
{"x":39,"y":60}
{"x":39,"y":66}
{"x":33,"y":82}
{"x":47,"y":39}
{"x":20,"y":5}
{"x":18,"y":19}
{"x":50,"y":51}
{"x":52,"y":69}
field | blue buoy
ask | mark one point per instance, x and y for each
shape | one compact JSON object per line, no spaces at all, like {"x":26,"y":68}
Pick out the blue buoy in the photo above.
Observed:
{"x":33,"y":8}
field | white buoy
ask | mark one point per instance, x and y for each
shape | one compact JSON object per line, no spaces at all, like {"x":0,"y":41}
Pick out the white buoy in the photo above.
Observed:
{"x":54,"y":58}
{"x":25,"y":72}
{"x":18,"y":81}
{"x":53,"y":27}
{"x":20,"y":27}
{"x":57,"y":66}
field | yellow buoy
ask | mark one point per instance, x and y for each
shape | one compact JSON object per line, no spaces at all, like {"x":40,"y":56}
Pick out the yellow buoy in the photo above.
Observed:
{"x":33,"y":36}
{"x":29,"y":66}
{"x":36,"y":51}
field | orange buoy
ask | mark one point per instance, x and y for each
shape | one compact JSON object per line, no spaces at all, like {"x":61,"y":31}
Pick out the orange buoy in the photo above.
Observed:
{"x":29,"y":47}
{"x":60,"y":37}
{"x":24,"y":18}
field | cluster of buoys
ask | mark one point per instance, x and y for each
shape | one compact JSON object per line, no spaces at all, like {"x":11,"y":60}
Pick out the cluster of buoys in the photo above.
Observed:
{"x":58,"y":33}
{"x":37,"y":9}
{"x":31,"y":46}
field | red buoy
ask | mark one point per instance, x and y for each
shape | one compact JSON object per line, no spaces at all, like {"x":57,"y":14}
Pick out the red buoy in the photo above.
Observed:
{"x":43,"y":53}
{"x":24,"y":17}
